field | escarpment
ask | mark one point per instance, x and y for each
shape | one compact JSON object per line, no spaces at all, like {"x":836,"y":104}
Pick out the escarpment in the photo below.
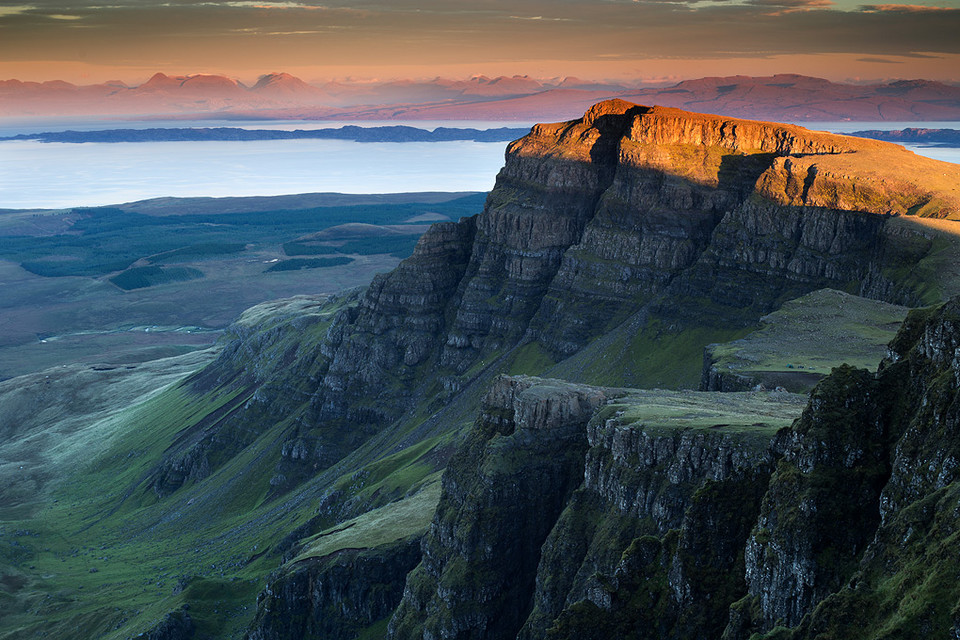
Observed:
{"x":706,"y":515}
{"x":649,"y":544}
{"x":855,"y":536}
{"x":507,"y":484}
{"x":612,"y":250}
{"x":674,"y":229}
{"x":337,"y":596}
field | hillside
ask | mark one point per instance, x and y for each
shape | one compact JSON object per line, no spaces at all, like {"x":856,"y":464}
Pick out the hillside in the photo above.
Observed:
{"x":358,"y":465}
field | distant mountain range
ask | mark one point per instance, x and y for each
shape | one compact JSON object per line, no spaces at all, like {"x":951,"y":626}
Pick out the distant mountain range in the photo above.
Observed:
{"x":932,"y":137}
{"x":782,"y":97}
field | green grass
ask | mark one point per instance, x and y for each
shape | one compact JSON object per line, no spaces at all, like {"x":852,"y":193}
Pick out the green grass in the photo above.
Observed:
{"x":380,"y":526}
{"x":210,"y":544}
{"x":645,"y":356}
{"x":307,"y":263}
{"x":531,"y":359}
{"x":377,"y":631}
{"x":143,"y":277}
{"x":747,"y":414}
{"x":809,"y":336}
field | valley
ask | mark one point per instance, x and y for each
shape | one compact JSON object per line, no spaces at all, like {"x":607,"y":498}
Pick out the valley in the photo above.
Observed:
{"x":677,"y":375}
{"x":108,"y":283}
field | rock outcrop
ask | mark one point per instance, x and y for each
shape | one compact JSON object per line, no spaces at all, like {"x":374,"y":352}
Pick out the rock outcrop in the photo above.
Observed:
{"x":507,"y":485}
{"x":632,"y":236}
{"x":857,"y":534}
{"x":671,"y":220}
{"x":709,"y":525}
{"x":651,"y":538}
{"x":335,"y":597}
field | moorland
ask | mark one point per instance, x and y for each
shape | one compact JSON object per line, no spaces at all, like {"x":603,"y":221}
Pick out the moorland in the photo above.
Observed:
{"x":149,"y":279}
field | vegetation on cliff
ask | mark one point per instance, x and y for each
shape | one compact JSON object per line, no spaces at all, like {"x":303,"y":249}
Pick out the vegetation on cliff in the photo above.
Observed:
{"x":304,"y":462}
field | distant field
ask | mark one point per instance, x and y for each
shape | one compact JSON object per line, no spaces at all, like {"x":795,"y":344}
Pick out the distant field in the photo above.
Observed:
{"x":159,"y":278}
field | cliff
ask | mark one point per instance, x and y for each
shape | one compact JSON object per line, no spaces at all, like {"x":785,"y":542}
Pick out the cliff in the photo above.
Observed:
{"x":673,"y":229}
{"x":612,"y":250}
{"x":304,"y":462}
{"x":705,"y":515}
{"x":578,"y":510}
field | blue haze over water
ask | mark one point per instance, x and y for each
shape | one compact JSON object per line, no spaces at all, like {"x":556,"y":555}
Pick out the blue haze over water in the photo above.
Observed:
{"x":58,"y":175}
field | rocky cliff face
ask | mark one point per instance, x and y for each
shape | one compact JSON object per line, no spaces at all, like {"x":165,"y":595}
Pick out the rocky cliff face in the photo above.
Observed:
{"x":670,"y":219}
{"x":660,"y":228}
{"x":509,"y":482}
{"x":335,"y":597}
{"x":708,"y":525}
{"x":652,"y":538}
{"x":897,"y":548}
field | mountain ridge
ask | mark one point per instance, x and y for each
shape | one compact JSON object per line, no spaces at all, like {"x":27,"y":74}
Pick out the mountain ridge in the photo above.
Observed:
{"x":614,"y":248}
{"x":276,"y":95}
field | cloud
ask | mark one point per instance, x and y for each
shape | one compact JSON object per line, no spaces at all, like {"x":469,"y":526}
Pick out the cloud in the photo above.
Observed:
{"x":541,"y":18}
{"x":903,"y":8}
{"x":784,"y":7}
{"x":15,"y":10}
{"x":799,"y":5}
{"x":880,"y":60}
{"x":269,"y":5}
{"x":217,"y":33}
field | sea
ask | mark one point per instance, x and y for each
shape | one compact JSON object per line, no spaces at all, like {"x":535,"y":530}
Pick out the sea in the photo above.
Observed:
{"x":36,"y":175}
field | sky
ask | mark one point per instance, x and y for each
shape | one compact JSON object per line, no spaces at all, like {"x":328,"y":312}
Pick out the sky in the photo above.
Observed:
{"x":655,"y":41}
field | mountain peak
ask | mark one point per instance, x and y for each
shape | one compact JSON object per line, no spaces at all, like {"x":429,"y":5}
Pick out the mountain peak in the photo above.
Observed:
{"x":283,"y":85}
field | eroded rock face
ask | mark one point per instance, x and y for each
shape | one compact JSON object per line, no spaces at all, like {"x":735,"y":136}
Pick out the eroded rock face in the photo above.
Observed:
{"x":630,"y":212}
{"x":335,"y":597}
{"x":176,"y":625}
{"x":683,"y":220}
{"x":650,"y":546}
{"x":820,"y":510}
{"x":501,"y":495}
{"x":681,"y":532}
{"x":865,"y":497}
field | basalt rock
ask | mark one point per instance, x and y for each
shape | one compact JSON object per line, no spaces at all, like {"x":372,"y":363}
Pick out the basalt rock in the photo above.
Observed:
{"x":649,"y":545}
{"x":647,"y":221}
{"x":671,"y":219}
{"x":864,"y":501}
{"x":176,"y":625}
{"x":502,"y":492}
{"x":335,"y":597}
{"x":840,"y":525}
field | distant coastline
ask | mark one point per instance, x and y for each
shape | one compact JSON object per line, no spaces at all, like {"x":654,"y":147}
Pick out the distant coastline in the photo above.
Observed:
{"x":933,"y":137}
{"x":397,"y":133}
{"x":394,"y":133}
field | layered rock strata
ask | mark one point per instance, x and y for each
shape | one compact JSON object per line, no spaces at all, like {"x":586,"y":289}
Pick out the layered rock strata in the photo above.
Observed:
{"x":842,"y":524}
{"x":506,"y":486}
{"x":650,"y":221}
{"x":673,"y":219}
{"x":652,"y":535}
{"x":335,"y":597}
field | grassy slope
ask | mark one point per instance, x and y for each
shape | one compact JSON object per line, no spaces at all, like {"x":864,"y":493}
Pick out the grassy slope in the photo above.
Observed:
{"x":803,"y":340}
{"x":211,"y":544}
{"x":98,"y":554}
{"x":758,"y":413}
